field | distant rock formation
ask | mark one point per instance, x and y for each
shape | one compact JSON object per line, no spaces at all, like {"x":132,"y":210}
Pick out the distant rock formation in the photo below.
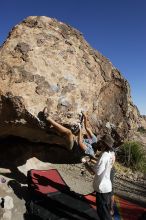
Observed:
{"x":45,"y":62}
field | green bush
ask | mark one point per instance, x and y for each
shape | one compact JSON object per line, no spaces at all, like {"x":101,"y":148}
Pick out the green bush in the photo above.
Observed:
{"x":132,"y":155}
{"x":141,"y":130}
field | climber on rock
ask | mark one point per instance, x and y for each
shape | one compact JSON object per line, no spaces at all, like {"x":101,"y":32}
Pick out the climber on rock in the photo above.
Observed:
{"x":73,"y":136}
{"x":86,"y":143}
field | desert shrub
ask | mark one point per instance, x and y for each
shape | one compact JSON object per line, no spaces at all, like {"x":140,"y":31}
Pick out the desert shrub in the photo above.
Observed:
{"x":141,"y":130}
{"x":132,"y":155}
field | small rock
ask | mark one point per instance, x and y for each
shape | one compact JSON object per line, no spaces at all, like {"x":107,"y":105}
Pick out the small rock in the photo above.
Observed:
{"x":2,"y":180}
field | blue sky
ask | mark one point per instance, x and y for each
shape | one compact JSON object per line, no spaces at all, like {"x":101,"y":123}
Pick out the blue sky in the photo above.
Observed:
{"x":116,"y":28}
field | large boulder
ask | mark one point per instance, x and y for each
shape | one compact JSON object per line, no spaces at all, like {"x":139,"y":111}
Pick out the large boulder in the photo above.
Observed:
{"x":45,"y":62}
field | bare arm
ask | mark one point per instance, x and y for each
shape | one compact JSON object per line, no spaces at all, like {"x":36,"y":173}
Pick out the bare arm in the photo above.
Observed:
{"x":98,"y":168}
{"x":86,"y":124}
{"x":94,"y":161}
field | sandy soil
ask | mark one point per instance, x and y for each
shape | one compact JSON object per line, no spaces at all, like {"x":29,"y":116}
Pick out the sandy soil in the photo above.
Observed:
{"x":17,"y":158}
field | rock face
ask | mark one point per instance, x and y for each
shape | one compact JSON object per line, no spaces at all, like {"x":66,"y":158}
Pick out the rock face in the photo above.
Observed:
{"x":44,"y":62}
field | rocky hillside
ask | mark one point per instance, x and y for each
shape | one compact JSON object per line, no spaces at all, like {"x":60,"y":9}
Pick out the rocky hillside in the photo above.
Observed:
{"x":45,"y":62}
{"x":143,"y":121}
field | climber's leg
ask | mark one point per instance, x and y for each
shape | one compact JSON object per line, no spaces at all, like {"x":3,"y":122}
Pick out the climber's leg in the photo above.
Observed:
{"x":65,"y":132}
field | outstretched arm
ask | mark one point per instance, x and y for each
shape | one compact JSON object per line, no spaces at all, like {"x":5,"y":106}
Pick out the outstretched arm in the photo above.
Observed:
{"x":86,"y":124}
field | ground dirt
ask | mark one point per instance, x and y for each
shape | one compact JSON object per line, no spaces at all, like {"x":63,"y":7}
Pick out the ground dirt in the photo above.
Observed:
{"x":22,"y":156}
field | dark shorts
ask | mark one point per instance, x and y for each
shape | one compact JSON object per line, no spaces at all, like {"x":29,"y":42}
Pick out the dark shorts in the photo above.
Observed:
{"x":88,"y":142}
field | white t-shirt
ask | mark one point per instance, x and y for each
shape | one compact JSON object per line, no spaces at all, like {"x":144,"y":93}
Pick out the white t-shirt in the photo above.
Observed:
{"x":102,"y":169}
